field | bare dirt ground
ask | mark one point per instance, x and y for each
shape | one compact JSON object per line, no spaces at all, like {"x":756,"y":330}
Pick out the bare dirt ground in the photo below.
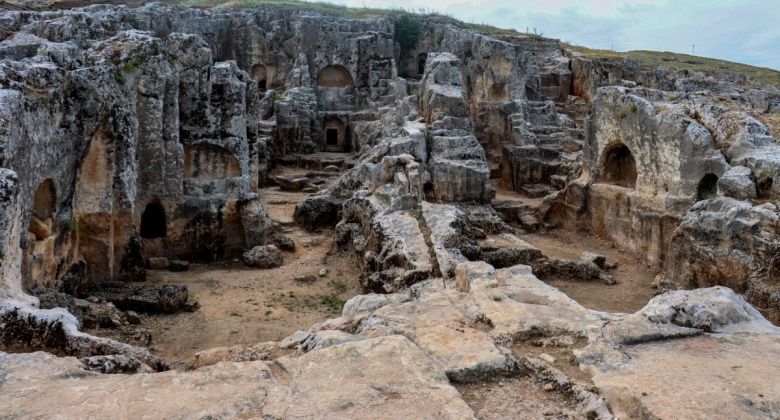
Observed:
{"x":634,"y":278}
{"x":242,"y":305}
{"x":517,"y":397}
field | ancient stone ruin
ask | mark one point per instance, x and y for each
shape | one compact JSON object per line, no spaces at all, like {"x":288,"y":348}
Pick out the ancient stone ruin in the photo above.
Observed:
{"x":485,"y":220}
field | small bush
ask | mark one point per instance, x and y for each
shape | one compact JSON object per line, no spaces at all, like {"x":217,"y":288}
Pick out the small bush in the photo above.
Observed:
{"x":279,"y":97}
{"x":622,"y":114}
{"x":407,"y":30}
{"x":131,"y":65}
{"x":120,"y":78}
{"x":672,"y":96}
{"x":766,"y":178}
{"x":71,"y":225}
{"x":439,"y":38}
{"x":235,"y":314}
{"x":633,"y":107}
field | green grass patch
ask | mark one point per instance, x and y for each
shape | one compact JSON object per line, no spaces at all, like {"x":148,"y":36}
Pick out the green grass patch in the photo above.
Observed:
{"x":335,"y":303}
{"x":71,"y":225}
{"x":338,"y":286}
{"x":131,"y":65}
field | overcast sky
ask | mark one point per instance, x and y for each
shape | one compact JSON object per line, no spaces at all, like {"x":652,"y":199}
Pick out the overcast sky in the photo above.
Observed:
{"x":745,"y":31}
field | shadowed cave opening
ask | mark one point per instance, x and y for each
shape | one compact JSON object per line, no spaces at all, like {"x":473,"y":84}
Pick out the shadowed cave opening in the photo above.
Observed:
{"x":260,"y":75}
{"x":619,"y":167}
{"x":42,"y":211}
{"x":707,"y":188}
{"x":421,"y":59}
{"x":153,"y":223}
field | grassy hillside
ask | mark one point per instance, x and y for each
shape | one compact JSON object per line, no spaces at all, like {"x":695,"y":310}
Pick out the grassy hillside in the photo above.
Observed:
{"x":685,"y":62}
{"x":328,"y":8}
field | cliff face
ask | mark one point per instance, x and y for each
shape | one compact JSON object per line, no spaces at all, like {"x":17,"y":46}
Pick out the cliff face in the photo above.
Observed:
{"x":134,"y":123}
{"x":125,"y":112}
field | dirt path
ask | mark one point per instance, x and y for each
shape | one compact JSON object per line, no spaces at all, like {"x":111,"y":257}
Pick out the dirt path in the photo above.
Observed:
{"x":634,"y":278}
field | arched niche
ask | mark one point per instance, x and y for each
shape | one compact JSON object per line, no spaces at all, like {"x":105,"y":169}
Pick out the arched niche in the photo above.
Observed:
{"x":707,"y":188}
{"x":618,"y":166}
{"x":153,"y":221}
{"x":334,"y":135}
{"x":209,"y":161}
{"x":334,"y":76}
{"x":421,"y":59}
{"x":43,"y":209}
{"x":260,"y":76}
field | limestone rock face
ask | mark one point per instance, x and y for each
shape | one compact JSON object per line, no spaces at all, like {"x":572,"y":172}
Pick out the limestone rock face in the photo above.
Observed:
{"x":267,"y":256}
{"x":184,"y":117}
{"x":737,"y":183}
{"x":626,"y":119}
{"x":457,"y":161}
{"x":10,"y":223}
{"x":364,"y":386}
{"x":628,"y":375}
{"x":726,"y":242}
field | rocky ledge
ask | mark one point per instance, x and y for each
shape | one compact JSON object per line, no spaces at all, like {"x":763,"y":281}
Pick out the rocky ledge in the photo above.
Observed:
{"x":404,"y":355}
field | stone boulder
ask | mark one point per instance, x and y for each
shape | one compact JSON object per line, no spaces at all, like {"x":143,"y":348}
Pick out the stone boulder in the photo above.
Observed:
{"x":261,"y":351}
{"x":168,"y":299}
{"x":317,"y":212}
{"x":114,"y":364}
{"x":283,"y":242}
{"x":592,"y":257}
{"x":57,"y":331}
{"x":571,"y":270}
{"x":292,"y":182}
{"x":266,"y":256}
{"x":737,"y":183}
